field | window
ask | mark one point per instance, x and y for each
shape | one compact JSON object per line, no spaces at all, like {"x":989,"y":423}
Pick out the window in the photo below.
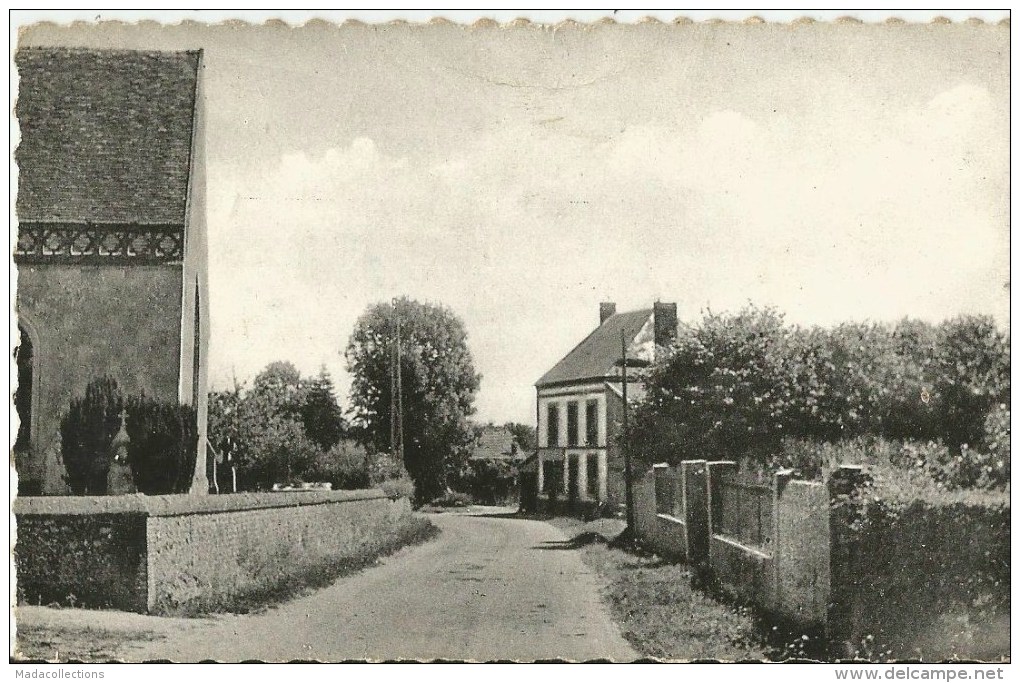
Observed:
{"x":593,"y":475}
{"x":552,"y":424}
{"x":552,"y":482}
{"x":572,"y":425}
{"x":591,"y":423}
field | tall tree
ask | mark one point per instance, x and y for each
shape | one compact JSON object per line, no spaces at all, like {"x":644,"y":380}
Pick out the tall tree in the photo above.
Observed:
{"x":321,"y":414}
{"x":438,"y":381}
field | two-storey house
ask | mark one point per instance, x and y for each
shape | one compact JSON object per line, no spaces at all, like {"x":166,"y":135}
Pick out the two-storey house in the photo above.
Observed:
{"x":580,"y":406}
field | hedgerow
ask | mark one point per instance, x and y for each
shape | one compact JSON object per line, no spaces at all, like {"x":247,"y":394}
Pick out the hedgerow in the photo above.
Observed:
{"x":735,"y":386}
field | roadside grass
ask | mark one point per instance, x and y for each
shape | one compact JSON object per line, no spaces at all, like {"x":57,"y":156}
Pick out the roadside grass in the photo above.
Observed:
{"x":284,"y":576}
{"x":658,"y":607}
{"x":67,"y":644}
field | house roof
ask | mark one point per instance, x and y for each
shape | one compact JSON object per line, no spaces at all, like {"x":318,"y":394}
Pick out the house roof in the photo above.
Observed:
{"x":106,"y":135}
{"x":494,"y":443}
{"x":597,"y":355}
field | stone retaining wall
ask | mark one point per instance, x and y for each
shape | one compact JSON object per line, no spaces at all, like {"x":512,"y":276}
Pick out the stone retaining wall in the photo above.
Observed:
{"x":161,"y":553}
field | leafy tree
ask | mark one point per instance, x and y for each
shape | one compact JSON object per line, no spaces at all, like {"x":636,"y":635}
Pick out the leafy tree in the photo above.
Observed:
{"x":524,"y":435}
{"x":320,"y":412}
{"x":439,"y":386}
{"x":263,"y":428}
{"x":281,"y":388}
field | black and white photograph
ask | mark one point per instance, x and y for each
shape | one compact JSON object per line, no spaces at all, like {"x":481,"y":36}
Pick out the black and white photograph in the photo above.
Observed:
{"x":510,"y":338}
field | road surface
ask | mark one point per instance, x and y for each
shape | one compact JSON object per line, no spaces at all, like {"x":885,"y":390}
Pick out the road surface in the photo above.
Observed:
{"x":489,"y":587}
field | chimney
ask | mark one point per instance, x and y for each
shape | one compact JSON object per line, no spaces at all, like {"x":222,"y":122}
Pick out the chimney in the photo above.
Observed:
{"x":665,"y":323}
{"x":606,"y":309}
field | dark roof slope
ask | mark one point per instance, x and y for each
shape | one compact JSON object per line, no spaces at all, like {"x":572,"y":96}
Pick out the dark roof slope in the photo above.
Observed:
{"x":105,"y":134}
{"x":597,"y":355}
{"x":494,"y":443}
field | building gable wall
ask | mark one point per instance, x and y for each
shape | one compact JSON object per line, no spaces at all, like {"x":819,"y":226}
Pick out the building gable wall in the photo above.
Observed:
{"x":120,"y":321}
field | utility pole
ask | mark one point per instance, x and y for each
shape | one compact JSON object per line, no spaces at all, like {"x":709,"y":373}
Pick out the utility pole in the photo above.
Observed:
{"x":396,"y":394}
{"x":623,"y":441}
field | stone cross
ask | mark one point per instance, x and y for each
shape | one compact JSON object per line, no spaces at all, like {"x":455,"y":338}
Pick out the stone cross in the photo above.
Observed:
{"x":119,"y":480}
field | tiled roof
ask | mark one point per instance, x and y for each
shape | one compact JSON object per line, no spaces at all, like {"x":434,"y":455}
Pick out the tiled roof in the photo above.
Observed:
{"x":105,"y":134}
{"x":597,"y":356}
{"x":494,"y":443}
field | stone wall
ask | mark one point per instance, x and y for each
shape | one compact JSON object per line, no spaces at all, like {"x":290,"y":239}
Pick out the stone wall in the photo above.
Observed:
{"x":164,"y":553}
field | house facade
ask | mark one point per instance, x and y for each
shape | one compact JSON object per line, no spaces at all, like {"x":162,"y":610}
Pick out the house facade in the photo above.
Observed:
{"x":111,"y":250}
{"x":580,"y":406}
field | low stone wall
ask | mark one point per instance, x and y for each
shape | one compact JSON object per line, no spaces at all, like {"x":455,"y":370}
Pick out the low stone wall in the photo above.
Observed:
{"x":161,"y":553}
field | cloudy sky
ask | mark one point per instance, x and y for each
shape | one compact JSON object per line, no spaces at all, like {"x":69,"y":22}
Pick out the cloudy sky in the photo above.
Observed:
{"x":522,"y":175}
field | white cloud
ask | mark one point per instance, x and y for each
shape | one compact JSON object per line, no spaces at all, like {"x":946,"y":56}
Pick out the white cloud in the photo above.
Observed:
{"x":524,"y":229}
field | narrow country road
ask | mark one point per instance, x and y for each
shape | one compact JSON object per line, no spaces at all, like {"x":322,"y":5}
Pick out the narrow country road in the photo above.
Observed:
{"x":489,"y":587}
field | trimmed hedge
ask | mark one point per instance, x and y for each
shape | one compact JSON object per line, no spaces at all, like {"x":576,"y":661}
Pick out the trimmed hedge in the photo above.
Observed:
{"x":86,"y":432}
{"x":163,"y":447}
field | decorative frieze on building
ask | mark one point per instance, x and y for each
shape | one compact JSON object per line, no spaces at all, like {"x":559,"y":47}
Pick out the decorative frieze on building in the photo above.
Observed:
{"x":84,"y":242}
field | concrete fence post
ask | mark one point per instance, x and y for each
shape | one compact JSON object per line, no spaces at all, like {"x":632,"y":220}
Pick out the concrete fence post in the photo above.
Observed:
{"x":845,"y":513}
{"x":694,"y":507}
{"x":779,"y":481}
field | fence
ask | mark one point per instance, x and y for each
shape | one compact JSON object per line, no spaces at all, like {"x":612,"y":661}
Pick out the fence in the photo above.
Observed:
{"x":863,"y":578}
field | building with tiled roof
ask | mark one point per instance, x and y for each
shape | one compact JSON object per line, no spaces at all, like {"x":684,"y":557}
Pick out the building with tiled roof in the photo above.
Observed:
{"x":496,"y":442}
{"x":580,"y":404}
{"x":111,"y":247}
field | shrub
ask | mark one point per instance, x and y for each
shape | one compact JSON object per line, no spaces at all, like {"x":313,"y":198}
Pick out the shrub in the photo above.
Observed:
{"x":398,"y":488}
{"x":164,"y":445}
{"x":970,"y":468}
{"x":452,"y":499}
{"x":996,"y":440}
{"x":275,"y":451}
{"x":901,"y":470}
{"x":348,"y":465}
{"x":86,"y":432}
{"x":492,"y":481}
{"x":733,"y":386}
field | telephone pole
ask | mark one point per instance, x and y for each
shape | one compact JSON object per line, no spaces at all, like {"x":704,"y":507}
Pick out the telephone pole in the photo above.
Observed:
{"x":623,"y":441}
{"x":396,"y":394}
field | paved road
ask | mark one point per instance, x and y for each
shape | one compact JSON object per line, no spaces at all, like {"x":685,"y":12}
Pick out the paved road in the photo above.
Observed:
{"x":488,"y":587}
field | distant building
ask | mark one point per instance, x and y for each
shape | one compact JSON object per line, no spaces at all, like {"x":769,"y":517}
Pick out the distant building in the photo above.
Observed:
{"x":496,"y":442}
{"x":580,"y":405}
{"x":111,"y":250}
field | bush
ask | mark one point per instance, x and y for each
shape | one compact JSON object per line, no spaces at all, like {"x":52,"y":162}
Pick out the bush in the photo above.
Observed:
{"x":452,"y":499}
{"x":163,"y":447}
{"x":348,"y":465}
{"x":996,"y":439}
{"x":492,"y":481}
{"x":398,"y":488}
{"x":901,"y":470}
{"x":161,"y":453}
{"x":87,"y":432}
{"x":734,"y":386}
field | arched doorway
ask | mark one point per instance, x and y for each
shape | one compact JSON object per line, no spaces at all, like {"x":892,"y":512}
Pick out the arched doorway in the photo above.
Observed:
{"x":24,"y":355}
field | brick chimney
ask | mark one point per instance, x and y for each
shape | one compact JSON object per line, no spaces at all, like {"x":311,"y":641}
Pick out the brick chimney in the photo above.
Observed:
{"x":606,"y":309}
{"x":665,"y":323}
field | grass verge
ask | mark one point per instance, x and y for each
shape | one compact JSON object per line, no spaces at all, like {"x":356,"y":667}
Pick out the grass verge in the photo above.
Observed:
{"x":285,"y":576}
{"x":659,"y":610}
{"x":64,"y":644}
